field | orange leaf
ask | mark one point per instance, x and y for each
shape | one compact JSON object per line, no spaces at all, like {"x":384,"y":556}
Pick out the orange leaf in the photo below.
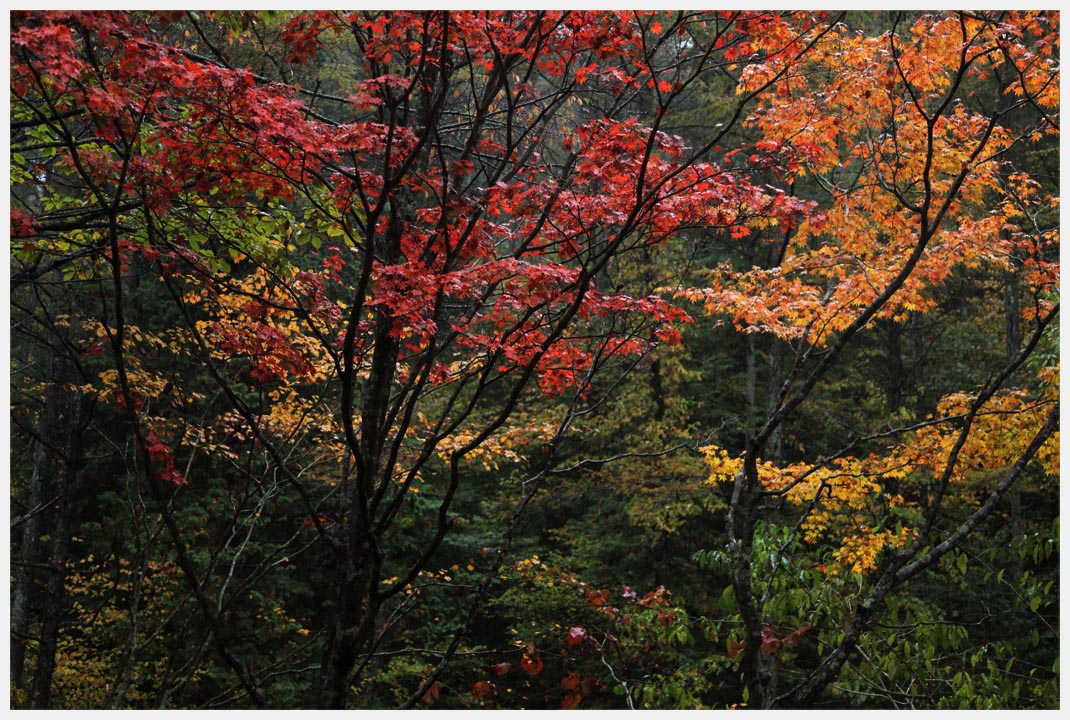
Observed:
{"x":531,"y":665}
{"x":597,"y":598}
{"x":431,"y":695}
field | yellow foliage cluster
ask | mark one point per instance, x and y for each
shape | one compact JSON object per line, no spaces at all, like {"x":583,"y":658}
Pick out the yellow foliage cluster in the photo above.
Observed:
{"x":503,"y":446}
{"x":281,"y":622}
{"x":91,"y":653}
{"x":141,"y":349}
{"x":858,"y":553}
{"x":999,"y":435}
{"x":835,"y":492}
{"x":235,"y":314}
{"x":536,"y":570}
{"x":847,"y":494}
{"x":487,"y":454}
{"x":291,"y":414}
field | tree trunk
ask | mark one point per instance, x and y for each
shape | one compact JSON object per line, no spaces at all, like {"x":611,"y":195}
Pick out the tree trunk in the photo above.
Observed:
{"x":894,"y":367}
{"x":51,"y":611}
{"x":69,"y":422}
{"x":742,"y":518}
{"x":350,"y":637}
{"x":774,"y":446}
{"x":750,"y":390}
{"x":1012,"y":314}
{"x":23,"y":579}
{"x":357,"y":603}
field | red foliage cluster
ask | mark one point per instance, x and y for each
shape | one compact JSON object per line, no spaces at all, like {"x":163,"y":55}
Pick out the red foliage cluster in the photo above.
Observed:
{"x":160,"y":453}
{"x":519,"y":249}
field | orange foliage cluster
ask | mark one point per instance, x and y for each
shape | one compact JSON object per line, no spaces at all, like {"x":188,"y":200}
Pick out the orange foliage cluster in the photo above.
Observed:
{"x":863,"y":117}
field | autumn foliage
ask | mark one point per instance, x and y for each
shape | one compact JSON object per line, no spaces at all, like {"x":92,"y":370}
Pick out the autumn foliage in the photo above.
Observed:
{"x":323,"y":320}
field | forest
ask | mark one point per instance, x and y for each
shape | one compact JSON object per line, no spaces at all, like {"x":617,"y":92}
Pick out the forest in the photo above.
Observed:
{"x":534,"y":360}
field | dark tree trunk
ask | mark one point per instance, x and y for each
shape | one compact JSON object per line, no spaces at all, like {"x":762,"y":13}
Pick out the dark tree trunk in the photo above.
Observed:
{"x":69,"y":424}
{"x":24,"y":578}
{"x":751,"y":387}
{"x":774,"y":446}
{"x":1012,"y":313}
{"x":357,"y":602}
{"x":350,"y":636}
{"x":894,"y":368}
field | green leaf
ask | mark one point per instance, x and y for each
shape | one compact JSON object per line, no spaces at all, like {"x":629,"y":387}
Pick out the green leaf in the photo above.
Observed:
{"x":728,"y":599}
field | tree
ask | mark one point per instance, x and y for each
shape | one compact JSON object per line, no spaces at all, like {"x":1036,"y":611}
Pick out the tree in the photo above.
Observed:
{"x":913,"y":157}
{"x":342,"y":307}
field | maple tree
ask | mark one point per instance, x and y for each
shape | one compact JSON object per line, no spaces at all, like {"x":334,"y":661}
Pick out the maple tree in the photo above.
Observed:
{"x":322,"y":321}
{"x":468,"y":230}
{"x":912,"y":158}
